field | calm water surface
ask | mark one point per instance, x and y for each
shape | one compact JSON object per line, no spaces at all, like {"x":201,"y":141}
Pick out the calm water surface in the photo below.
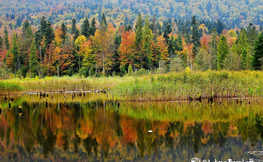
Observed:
{"x":93,"y":128}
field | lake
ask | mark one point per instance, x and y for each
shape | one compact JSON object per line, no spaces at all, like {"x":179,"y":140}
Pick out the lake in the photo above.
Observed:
{"x":96,"y":127}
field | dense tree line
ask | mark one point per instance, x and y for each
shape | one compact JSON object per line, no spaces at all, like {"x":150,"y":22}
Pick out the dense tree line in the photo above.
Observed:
{"x":100,"y":48}
{"x":235,"y":14}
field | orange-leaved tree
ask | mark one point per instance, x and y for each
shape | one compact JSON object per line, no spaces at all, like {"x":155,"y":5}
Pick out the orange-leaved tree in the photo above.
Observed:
{"x":127,"y":48}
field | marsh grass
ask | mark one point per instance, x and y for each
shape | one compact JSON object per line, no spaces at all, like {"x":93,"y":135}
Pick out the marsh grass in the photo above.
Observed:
{"x":6,"y":87}
{"x":178,"y":86}
{"x":157,"y":87}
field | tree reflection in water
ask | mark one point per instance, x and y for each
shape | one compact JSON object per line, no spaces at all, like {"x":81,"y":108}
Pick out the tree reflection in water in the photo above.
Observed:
{"x":75,"y":130}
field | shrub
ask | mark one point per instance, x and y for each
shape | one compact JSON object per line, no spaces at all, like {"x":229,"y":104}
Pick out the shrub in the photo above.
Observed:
{"x":140,"y":72}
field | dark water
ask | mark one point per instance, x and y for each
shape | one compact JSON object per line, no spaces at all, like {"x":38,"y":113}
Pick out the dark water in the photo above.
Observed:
{"x":92,"y":129}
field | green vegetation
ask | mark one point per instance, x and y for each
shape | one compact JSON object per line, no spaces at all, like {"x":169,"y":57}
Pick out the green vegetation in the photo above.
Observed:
{"x":9,"y":86}
{"x":178,"y":86}
{"x":156,"y":87}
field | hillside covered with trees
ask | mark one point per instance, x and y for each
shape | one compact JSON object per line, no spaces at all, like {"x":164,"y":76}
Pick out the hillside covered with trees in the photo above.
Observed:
{"x":95,"y":42}
{"x":233,"y":13}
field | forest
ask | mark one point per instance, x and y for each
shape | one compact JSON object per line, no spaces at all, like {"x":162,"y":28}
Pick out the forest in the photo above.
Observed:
{"x":99,"y":48}
{"x":235,"y":13}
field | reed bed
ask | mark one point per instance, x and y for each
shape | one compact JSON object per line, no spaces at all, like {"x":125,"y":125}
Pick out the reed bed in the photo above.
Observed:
{"x":6,"y":87}
{"x":55,"y":84}
{"x":156,"y":87}
{"x":181,"y":86}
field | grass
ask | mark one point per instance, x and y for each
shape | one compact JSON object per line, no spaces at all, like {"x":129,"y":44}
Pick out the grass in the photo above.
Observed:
{"x":157,"y":87}
{"x":8,"y":86}
{"x":178,"y":86}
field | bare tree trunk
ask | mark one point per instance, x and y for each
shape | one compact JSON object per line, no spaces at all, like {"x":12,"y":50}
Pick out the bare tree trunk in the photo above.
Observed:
{"x":58,"y":70}
{"x":79,"y":62}
{"x":48,"y":62}
{"x":40,"y":61}
{"x":18,"y":63}
{"x":188,"y":59}
{"x":103,"y":59}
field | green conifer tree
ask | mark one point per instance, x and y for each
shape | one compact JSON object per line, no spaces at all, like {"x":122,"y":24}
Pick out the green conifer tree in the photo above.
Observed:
{"x":222,"y":52}
{"x":38,"y":38}
{"x":43,"y":25}
{"x":244,"y":59}
{"x":160,"y":31}
{"x":64,"y":32}
{"x":1,"y":42}
{"x":76,"y":34}
{"x":251,"y":34}
{"x":195,"y":35}
{"x":103,"y":21}
{"x":242,"y":42}
{"x":147,"y":40}
{"x":7,"y":44}
{"x":258,"y":54}
{"x":92,"y":29}
{"x":33,"y":63}
{"x":24,"y":28}
{"x":15,"y":51}
{"x":167,"y":31}
{"x":85,"y":28}
{"x":138,"y":31}
{"x":49,"y":34}
{"x":74,"y":28}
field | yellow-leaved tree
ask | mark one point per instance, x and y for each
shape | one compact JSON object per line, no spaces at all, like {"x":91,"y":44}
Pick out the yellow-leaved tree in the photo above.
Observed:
{"x":103,"y":43}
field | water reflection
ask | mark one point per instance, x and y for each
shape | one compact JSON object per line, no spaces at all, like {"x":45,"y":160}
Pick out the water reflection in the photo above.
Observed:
{"x":69,"y":129}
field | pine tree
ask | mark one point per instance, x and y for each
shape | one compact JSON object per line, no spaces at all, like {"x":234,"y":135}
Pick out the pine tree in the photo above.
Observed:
{"x":138,"y":32}
{"x":180,"y":43}
{"x":244,"y":59}
{"x":28,"y":36}
{"x":33,"y":63}
{"x":220,"y":27}
{"x":213,"y":49}
{"x":43,"y":25}
{"x":14,"y":50}
{"x":85,"y":28}
{"x":49,"y":35}
{"x":147,"y":40}
{"x":38,"y":38}
{"x":7,"y":45}
{"x":128,"y":27}
{"x":1,"y":42}
{"x":242,"y":42}
{"x":195,"y":35}
{"x":73,"y":29}
{"x":116,"y":56}
{"x":222,"y":52}
{"x":138,"y":42}
{"x":103,"y":21}
{"x":64,"y":32}
{"x":76,"y":35}
{"x":160,"y":31}
{"x":154,"y":28}
{"x":92,"y":29}
{"x":258,"y":54}
{"x":167,"y":31}
{"x":251,"y":34}
{"x":24,"y":28}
